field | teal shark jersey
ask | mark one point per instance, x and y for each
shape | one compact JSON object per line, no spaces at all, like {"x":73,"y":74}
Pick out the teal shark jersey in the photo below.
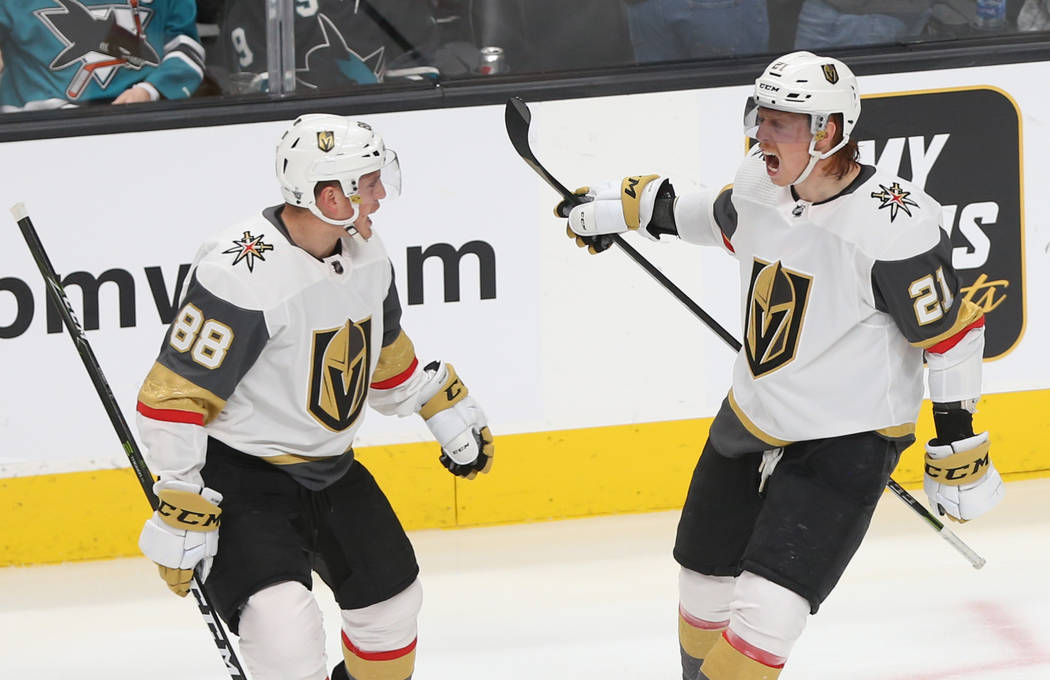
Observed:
{"x":337,"y":42}
{"x":59,"y":53}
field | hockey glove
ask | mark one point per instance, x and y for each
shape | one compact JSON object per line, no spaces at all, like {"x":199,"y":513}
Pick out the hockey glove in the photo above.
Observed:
{"x":960,"y":479}
{"x":593,"y":244}
{"x":615,"y":208}
{"x":183,"y":532}
{"x":458,"y":424}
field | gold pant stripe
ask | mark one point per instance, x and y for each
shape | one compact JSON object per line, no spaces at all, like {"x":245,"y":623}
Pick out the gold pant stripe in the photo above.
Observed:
{"x":724,"y":662}
{"x":697,"y":641}
{"x":396,"y":668}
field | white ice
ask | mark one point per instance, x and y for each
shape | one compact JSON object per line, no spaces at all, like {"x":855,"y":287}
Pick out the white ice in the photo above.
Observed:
{"x":590,"y":599}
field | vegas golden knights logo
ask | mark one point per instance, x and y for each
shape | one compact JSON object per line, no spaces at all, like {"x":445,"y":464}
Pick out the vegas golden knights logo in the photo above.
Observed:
{"x":831,"y":74}
{"x":326,"y":140}
{"x":776,"y":305}
{"x":339,"y":374}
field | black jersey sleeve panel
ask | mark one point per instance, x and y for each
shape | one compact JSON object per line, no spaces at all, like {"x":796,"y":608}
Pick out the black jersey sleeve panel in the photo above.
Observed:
{"x":397,"y":358}
{"x":213,"y":343}
{"x":725,"y":213}
{"x":920,"y":292}
{"x":391,"y":312}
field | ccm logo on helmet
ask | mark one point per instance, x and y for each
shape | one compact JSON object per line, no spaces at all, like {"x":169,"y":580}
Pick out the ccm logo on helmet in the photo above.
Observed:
{"x":767,"y":86}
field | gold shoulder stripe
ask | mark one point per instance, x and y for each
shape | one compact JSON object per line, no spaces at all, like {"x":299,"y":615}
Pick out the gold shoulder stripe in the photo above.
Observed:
{"x":395,"y":358}
{"x":968,"y":313}
{"x":751,"y":427}
{"x":164,"y":389}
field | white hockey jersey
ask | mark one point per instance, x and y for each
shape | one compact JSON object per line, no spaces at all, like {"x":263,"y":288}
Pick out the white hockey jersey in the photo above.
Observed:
{"x":272,"y":352}
{"x":839,"y":299}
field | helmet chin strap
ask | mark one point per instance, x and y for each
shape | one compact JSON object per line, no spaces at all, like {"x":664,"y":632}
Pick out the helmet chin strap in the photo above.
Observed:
{"x":813,"y":158}
{"x":347,"y":224}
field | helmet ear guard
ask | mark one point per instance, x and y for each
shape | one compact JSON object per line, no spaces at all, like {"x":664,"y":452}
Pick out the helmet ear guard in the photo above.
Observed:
{"x":324,"y":147}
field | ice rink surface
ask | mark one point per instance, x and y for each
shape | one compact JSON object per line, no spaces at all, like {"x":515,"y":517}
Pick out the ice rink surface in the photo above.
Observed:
{"x":590,"y":599}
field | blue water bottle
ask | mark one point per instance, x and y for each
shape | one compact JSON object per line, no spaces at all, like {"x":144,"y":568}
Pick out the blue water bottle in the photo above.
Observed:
{"x":991,"y":15}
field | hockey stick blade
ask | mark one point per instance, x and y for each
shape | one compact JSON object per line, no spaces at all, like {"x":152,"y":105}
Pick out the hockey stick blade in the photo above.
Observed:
{"x":58,"y":298}
{"x":518,"y":118}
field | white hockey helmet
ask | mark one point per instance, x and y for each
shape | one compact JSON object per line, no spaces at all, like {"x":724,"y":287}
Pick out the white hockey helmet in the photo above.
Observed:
{"x":320,"y":147}
{"x":803,"y":82}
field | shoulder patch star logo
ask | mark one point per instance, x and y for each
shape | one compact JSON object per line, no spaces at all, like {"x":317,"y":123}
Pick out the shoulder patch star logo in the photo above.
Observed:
{"x":896,"y":199}
{"x":249,"y":248}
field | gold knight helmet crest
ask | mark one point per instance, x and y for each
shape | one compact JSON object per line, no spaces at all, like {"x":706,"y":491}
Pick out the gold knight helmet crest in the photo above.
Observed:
{"x":831,"y":74}
{"x":326,"y":140}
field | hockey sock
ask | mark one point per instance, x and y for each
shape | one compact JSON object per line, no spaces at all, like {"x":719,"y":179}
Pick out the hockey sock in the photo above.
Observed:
{"x":731,"y":658}
{"x":397,"y":664}
{"x":696,"y":637}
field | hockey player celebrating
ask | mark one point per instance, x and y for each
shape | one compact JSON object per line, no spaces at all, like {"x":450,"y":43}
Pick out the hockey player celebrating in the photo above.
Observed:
{"x":290,"y":322}
{"x":846,"y":286}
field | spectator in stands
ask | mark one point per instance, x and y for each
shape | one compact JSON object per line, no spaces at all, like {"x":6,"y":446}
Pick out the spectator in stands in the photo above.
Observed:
{"x":61,"y":53}
{"x":669,"y":30}
{"x":847,"y":23}
{"x":1034,"y":16}
{"x":337,"y":43}
{"x":545,"y":35}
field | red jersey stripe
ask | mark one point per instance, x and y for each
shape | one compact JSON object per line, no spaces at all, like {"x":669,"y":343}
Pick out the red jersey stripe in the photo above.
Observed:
{"x":946,"y":344}
{"x":397,"y":379}
{"x":171,"y":415}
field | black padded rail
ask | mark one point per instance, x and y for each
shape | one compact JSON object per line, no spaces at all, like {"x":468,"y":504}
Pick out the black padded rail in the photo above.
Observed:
{"x":494,"y":90}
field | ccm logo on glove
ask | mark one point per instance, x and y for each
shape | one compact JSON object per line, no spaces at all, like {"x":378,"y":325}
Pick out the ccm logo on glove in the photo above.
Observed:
{"x":960,"y":468}
{"x":188,"y":511}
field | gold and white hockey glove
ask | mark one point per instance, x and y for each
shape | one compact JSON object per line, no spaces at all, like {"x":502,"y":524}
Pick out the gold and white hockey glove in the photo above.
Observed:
{"x":960,"y":479}
{"x":457,"y":422}
{"x":615,"y":208}
{"x":183,"y":533}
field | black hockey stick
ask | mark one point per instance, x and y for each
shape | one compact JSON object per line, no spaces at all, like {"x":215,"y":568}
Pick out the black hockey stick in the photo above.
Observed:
{"x":517,"y":118}
{"x":58,"y":297}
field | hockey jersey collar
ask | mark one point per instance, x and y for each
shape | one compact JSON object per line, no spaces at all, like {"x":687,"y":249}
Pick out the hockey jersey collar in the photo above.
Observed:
{"x":866,"y":173}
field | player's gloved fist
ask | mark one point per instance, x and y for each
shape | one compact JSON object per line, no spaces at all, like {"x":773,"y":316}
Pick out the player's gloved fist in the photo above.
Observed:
{"x":458,"y":423}
{"x":593,"y":244}
{"x":183,"y":532}
{"x":960,"y":479}
{"x":617,"y":207}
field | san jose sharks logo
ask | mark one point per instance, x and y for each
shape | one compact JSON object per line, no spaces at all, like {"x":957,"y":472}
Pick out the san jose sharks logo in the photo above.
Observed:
{"x":100,"y":39}
{"x":248,"y":248}
{"x":333,"y":62}
{"x":896,"y":199}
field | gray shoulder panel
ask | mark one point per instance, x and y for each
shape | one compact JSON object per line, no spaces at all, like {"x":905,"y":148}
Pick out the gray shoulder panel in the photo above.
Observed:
{"x":391,"y":312}
{"x":212,"y":343}
{"x":919,"y":291}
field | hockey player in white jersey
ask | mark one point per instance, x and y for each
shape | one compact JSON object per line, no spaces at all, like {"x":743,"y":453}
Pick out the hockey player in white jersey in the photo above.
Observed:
{"x":847,"y":285}
{"x":289,"y":325}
